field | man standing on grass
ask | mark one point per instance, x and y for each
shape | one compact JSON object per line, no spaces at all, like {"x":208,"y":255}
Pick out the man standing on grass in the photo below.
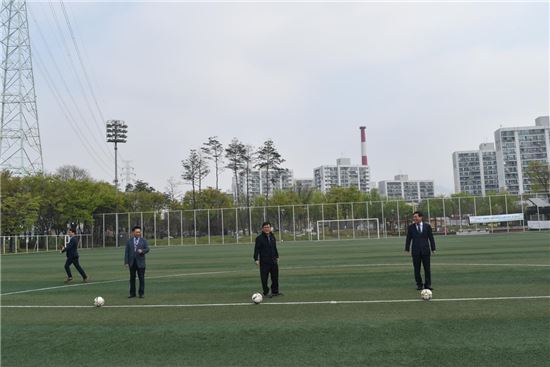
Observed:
{"x":422,"y":238}
{"x":266,"y":257}
{"x":71,"y":249}
{"x":134,"y":258}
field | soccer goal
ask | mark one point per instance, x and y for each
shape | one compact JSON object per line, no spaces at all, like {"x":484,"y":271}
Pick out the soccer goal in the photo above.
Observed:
{"x":348,"y":229}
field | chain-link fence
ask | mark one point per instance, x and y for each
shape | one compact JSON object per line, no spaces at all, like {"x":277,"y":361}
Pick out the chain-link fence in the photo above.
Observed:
{"x":299,"y":222}
{"x":37,"y":243}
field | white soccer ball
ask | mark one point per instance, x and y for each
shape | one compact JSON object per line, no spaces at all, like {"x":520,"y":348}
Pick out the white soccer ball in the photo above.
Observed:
{"x":99,"y":301}
{"x":257,"y":298}
{"x":426,"y":294}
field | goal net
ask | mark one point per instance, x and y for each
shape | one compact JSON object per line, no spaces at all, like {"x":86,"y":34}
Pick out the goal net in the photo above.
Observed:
{"x":338,"y":229}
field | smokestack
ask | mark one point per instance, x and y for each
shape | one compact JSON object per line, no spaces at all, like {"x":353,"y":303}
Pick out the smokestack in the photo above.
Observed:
{"x":364,"y":160}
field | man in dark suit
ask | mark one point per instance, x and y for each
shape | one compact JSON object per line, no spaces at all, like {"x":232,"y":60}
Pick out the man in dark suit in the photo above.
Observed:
{"x":71,"y":250}
{"x":423,"y":243}
{"x":266,"y":257}
{"x":134,"y":258}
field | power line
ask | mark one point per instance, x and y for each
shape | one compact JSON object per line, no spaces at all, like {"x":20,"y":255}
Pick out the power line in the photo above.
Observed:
{"x":84,"y":70}
{"x":98,"y":143}
{"x":68,"y":115}
{"x":100,"y":134}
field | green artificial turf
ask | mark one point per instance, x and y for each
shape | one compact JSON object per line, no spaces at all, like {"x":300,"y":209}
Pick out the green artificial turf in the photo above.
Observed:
{"x":441,"y":332}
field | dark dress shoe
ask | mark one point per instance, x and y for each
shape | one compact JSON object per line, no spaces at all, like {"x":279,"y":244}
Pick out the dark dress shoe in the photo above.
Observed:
{"x":430,"y":288}
{"x":141,"y":296}
{"x":132,"y":296}
{"x":419,"y":288}
{"x":277,"y":294}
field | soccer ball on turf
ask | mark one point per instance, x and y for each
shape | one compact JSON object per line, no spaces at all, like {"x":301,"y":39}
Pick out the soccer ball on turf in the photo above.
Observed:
{"x":99,"y":301}
{"x":257,"y":298}
{"x":426,"y":294}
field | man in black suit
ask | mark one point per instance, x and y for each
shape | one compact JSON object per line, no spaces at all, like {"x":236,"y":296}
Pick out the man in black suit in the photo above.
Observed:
{"x":134,"y":258}
{"x":71,"y":250}
{"x":266,"y":257}
{"x":423,"y":243}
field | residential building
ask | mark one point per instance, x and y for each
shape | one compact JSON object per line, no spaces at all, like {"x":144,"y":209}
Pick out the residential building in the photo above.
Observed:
{"x":409,"y":190}
{"x":343,"y":174}
{"x":516,"y":147}
{"x":475,"y":171}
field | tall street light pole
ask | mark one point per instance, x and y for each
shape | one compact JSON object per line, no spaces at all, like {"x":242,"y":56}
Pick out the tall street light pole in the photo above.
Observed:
{"x":116,"y":133}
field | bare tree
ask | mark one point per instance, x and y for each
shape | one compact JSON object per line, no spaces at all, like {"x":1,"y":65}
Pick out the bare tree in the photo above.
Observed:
{"x":172,"y":191}
{"x":234,"y":153}
{"x":71,"y":172}
{"x":203,"y":170}
{"x":213,"y":150}
{"x":269,"y":160}
{"x":248,"y":158}
{"x":191,"y":172}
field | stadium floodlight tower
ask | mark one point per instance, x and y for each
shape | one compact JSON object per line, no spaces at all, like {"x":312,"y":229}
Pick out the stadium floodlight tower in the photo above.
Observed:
{"x":116,"y":133}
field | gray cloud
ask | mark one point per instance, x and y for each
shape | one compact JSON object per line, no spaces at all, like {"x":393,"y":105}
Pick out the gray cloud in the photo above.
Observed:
{"x":426,"y":79}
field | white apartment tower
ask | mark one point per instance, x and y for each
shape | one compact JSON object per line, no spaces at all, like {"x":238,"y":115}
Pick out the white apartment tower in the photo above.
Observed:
{"x":475,"y":171}
{"x":409,"y":190}
{"x":516,"y":147}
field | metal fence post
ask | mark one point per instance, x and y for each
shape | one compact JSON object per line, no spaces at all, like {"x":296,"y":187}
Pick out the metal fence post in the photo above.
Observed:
{"x":522,"y":211}
{"x":155,"y":227}
{"x":429,"y":216}
{"x":398,"y":219}
{"x":444,"y":216}
{"x":506,"y":206}
{"x":352,"y":222}
{"x":338,"y":219}
{"x":237,"y":223}
{"x":459,"y":214}
{"x":208,"y":224}
{"x":181,"y":227}
{"x":168,"y":226}
{"x":308,"y":227}
{"x":223,"y":235}
{"x":116,"y":229}
{"x":383,"y":220}
{"x":323,"y":220}
{"x":195,"y":224}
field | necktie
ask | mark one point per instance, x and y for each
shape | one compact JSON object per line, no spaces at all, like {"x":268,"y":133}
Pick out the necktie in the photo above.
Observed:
{"x":419,"y":228}
{"x":136,"y":241}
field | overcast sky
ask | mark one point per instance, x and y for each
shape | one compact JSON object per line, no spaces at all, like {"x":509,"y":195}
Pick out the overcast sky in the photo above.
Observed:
{"x":426,"y":79}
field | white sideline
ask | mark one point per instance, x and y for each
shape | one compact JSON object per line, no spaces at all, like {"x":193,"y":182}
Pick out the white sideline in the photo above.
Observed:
{"x":282,"y":268}
{"x":284,"y":303}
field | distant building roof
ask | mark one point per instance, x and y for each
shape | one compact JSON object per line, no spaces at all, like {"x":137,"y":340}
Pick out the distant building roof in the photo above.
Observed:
{"x":541,"y":203}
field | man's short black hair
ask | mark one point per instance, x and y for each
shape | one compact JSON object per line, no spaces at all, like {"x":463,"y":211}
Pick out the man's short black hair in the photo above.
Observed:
{"x":419,"y":213}
{"x":136,"y":227}
{"x":266,"y":224}
{"x":72,"y":229}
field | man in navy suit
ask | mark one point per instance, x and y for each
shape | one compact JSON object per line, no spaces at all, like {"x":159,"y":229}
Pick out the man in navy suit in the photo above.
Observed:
{"x":71,"y":250}
{"x":423,"y":243}
{"x":134,"y":258}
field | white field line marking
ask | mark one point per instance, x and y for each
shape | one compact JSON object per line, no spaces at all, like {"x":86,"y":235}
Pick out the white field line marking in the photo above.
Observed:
{"x":286,"y":303}
{"x":282,"y":268}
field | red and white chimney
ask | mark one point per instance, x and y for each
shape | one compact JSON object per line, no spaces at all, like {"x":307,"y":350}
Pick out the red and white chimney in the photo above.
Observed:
{"x":364,"y":160}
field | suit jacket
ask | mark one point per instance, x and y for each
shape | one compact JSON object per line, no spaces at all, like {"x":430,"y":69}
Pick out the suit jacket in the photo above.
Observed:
{"x":423,"y":242}
{"x":72,"y":248}
{"x":130,"y":255}
{"x":265,"y":249}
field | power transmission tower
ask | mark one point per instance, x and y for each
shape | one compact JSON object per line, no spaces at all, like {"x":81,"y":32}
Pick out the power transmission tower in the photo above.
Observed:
{"x":127,"y":175}
{"x":20,"y":147}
